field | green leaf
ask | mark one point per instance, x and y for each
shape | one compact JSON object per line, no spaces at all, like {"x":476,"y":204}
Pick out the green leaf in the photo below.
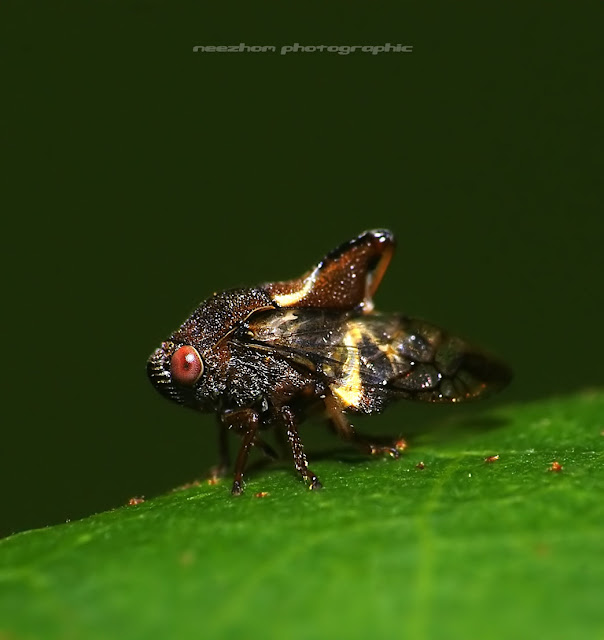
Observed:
{"x":462,"y":548}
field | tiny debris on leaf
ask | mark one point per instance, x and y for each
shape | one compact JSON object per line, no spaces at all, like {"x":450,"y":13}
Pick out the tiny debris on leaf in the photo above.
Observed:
{"x":555,"y":466}
{"x":492,"y":458}
{"x":542,"y":549}
{"x":187,"y":558}
{"x":400,"y":445}
{"x":261,"y":494}
{"x":187,"y":485}
{"x":420,"y":465}
{"x":136,"y":500}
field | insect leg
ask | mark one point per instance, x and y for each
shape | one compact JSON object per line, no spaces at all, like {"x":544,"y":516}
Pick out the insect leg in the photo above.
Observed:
{"x":266,"y":448}
{"x":281,"y":439}
{"x":224,"y":457}
{"x":246,"y":421}
{"x":347,"y":431}
{"x":228,"y":422}
{"x":298,"y":449}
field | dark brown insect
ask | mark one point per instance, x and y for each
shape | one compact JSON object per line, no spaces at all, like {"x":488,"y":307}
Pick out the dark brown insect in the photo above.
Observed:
{"x":266,"y":356}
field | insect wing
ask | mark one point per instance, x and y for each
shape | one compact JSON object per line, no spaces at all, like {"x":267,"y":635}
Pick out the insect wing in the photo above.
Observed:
{"x":345,"y":279}
{"x":432,"y":365}
{"x":368,"y":361}
{"x":312,"y":336}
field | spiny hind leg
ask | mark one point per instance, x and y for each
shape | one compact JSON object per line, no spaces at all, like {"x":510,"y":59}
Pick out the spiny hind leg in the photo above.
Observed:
{"x":346,"y":431}
{"x":297,"y":448}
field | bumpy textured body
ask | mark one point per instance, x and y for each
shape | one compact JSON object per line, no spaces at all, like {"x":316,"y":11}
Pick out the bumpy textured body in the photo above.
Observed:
{"x":261,"y":357}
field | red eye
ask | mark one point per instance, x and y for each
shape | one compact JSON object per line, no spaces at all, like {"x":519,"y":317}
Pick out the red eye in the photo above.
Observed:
{"x":186,"y":366}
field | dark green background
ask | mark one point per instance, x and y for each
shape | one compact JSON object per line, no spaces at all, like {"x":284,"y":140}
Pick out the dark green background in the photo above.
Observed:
{"x":144,"y":177}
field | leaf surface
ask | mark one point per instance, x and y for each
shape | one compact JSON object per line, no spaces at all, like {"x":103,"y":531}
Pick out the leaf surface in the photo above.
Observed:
{"x":462,"y":548}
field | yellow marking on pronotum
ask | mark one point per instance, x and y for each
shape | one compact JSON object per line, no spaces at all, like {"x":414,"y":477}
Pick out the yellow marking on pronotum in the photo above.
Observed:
{"x":350,"y":391}
{"x":289,"y":299}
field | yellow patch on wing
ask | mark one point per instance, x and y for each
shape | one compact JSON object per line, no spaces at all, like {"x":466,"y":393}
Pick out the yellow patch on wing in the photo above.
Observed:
{"x":350,"y":390}
{"x":290,"y":299}
{"x":388,"y":350}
